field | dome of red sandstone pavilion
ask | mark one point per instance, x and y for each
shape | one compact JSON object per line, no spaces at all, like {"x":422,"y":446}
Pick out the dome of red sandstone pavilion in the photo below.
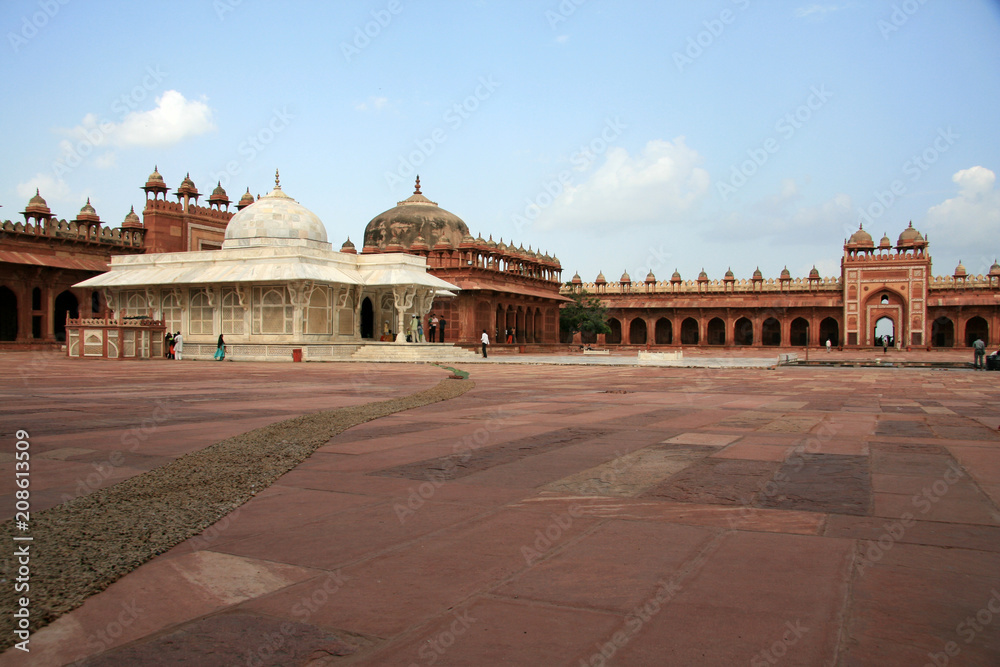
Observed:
{"x":155,"y":179}
{"x":245,"y":200}
{"x":416,"y":216}
{"x":861,"y":239}
{"x":131,"y":220}
{"x":909,"y":237}
{"x":87,"y":214}
{"x":187,"y":186}
{"x":37,"y":204}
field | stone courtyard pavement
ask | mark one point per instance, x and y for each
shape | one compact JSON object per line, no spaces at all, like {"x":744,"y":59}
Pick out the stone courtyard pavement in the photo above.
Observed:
{"x":554,"y":515}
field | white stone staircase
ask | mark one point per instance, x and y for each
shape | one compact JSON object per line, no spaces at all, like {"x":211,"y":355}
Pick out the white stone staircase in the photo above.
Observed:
{"x":412,"y":352}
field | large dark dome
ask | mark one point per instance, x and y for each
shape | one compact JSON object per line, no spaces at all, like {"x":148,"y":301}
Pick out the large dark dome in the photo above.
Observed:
{"x":415,"y":217}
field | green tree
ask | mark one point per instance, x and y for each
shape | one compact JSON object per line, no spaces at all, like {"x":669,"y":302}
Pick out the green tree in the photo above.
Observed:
{"x":585,"y":313}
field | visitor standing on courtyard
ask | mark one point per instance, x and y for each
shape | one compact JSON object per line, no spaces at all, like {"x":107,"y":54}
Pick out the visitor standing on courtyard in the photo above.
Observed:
{"x":420,"y":331}
{"x":432,"y":328}
{"x":414,"y":324}
{"x":220,"y":352}
{"x":829,"y":345}
{"x":168,"y":345}
{"x":486,"y":341}
{"x":979,"y":347}
{"x":441,"y":323}
{"x":178,"y":346}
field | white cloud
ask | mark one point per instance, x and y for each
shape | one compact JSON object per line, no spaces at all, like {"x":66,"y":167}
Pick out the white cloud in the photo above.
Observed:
{"x":63,"y":201}
{"x":48,"y":186}
{"x":783,"y":215}
{"x":562,"y":39}
{"x":967,"y":224}
{"x":172,"y":120}
{"x":662,"y":184}
{"x":373,"y":104}
{"x":106,"y":160}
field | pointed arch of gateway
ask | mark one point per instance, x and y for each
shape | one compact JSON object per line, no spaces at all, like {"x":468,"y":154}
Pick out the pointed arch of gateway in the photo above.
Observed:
{"x":743,"y":332}
{"x":614,"y":337}
{"x":637,"y":332}
{"x":798,"y":332}
{"x":66,"y":305}
{"x":829,"y":330}
{"x":8,"y":314}
{"x":976,"y":327}
{"x":770,"y":332}
{"x":715,"y":334}
{"x":885,"y":331}
{"x":689,"y":332}
{"x":943,"y":332}
{"x":664,"y":331}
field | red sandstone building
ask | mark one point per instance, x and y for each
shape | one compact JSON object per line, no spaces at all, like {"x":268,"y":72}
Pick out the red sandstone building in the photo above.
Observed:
{"x":503,"y":286}
{"x":886,"y":288}
{"x":43,"y":257}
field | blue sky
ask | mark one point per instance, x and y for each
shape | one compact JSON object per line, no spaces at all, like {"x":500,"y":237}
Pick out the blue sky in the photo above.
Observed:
{"x":615,"y":135}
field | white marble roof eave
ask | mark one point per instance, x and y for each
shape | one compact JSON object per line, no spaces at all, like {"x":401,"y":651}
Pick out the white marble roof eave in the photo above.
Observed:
{"x":404,"y":276}
{"x":210,"y":275}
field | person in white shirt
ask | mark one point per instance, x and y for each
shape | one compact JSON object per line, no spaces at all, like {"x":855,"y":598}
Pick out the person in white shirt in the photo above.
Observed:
{"x":486,"y":341}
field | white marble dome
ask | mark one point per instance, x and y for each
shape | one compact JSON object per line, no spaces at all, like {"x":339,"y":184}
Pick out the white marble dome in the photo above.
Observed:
{"x":275,"y":219}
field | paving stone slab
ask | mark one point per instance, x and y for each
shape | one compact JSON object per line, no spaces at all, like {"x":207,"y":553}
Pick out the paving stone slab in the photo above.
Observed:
{"x":831,"y":483}
{"x":716,"y":481}
{"x":232,"y":639}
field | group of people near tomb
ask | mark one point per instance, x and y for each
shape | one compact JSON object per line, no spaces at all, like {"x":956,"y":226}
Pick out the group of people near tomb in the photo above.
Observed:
{"x":435,"y":330}
{"x":173,"y":345}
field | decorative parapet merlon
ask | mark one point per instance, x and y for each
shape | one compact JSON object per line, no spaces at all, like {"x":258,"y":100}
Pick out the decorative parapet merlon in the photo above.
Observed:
{"x":71,"y":231}
{"x":744,"y":286}
{"x":984,"y":282}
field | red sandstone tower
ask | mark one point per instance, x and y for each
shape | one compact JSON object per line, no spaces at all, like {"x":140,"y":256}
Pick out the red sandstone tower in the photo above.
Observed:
{"x":183,"y":226}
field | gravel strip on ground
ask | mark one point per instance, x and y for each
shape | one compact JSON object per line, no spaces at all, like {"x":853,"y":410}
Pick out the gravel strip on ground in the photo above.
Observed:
{"x":83,"y":546}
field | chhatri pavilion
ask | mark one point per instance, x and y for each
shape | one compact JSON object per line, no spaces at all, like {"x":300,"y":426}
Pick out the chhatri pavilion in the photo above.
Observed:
{"x":275,"y":285}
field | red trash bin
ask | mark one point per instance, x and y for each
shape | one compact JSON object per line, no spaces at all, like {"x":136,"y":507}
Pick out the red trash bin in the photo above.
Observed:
{"x":296,"y":354}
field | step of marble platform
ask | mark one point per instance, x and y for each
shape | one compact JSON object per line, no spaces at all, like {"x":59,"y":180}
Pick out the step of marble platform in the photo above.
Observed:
{"x":412,"y":352}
